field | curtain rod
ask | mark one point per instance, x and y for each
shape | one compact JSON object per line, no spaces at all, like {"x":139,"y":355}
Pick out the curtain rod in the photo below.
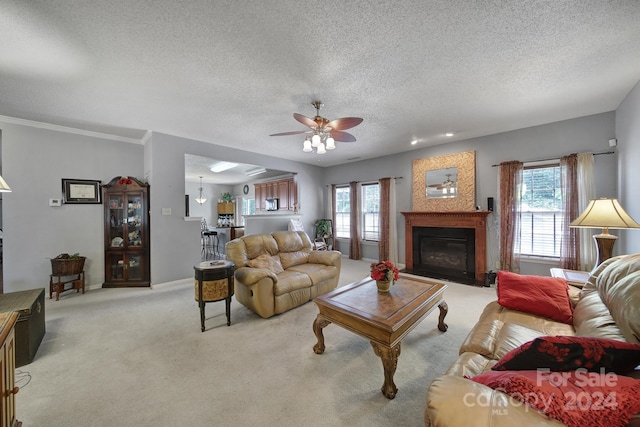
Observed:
{"x":554,"y":158}
{"x":394,"y":177}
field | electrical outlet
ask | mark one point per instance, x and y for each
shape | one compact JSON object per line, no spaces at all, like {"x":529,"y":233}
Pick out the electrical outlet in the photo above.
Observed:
{"x":498,"y":265}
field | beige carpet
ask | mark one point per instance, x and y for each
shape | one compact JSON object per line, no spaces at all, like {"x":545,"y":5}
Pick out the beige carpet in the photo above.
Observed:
{"x":136,"y":357}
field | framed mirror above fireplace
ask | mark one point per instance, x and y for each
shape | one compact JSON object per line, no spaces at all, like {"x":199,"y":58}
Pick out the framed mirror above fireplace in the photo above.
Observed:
{"x":453,"y":173}
{"x":442,"y":183}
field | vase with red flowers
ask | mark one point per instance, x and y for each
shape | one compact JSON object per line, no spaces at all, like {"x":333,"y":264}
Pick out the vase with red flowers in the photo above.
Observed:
{"x":385,"y":273}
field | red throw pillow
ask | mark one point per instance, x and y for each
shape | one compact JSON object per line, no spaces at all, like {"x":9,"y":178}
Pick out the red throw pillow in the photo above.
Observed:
{"x":575,"y":398}
{"x":565,"y":353}
{"x":540,"y":295}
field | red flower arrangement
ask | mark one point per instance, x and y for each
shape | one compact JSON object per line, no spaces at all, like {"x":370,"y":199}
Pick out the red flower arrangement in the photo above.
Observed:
{"x":384,"y":271}
{"x":125,"y":181}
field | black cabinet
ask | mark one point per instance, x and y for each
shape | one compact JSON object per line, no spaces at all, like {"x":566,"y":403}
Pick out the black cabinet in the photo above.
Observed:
{"x":30,"y":327}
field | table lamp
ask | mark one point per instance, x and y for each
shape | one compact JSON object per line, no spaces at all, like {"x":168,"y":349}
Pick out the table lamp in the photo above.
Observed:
{"x":4,"y":187}
{"x":605,"y":214}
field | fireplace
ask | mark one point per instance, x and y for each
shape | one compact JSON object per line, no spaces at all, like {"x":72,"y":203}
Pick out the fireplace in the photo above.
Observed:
{"x":445,"y":253}
{"x":447,"y":245}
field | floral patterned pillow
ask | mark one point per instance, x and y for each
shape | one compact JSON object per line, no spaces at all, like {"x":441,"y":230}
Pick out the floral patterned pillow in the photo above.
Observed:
{"x":576,"y":398}
{"x":567,"y":353}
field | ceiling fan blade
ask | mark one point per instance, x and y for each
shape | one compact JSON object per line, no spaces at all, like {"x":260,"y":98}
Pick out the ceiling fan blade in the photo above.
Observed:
{"x":305,"y":120}
{"x":344,"y":123}
{"x":295,"y":132}
{"x":338,"y":135}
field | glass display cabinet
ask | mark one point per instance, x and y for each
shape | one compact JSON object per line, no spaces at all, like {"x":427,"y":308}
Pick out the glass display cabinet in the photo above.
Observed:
{"x":126,"y":239}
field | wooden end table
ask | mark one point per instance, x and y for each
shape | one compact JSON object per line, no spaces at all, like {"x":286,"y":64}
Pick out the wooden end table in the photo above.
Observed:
{"x":58,"y":282}
{"x":214,"y":282}
{"x":573,"y":277}
{"x":382,"y":318}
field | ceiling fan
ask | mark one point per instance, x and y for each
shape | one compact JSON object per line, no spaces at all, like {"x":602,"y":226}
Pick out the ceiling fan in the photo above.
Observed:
{"x":323,"y":133}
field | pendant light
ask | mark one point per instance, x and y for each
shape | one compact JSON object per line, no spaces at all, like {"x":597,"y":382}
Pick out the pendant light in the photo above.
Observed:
{"x":201,"y":199}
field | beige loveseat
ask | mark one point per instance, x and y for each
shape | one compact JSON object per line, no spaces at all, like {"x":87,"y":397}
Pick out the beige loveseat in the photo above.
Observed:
{"x":279,"y":271}
{"x":607,"y":307}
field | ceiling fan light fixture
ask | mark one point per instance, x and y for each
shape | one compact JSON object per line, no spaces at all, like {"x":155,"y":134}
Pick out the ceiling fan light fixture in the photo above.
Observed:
{"x":323,"y":133}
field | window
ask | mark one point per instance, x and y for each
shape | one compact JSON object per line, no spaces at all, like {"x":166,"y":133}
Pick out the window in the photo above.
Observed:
{"x":541,"y":211}
{"x":248,"y":206}
{"x":370,"y":211}
{"x":343,"y":212}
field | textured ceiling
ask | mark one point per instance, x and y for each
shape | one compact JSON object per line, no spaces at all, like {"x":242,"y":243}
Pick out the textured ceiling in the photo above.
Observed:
{"x":233,"y":72}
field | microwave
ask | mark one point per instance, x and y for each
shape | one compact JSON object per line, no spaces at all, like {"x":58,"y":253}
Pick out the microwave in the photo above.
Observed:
{"x":273,"y":204}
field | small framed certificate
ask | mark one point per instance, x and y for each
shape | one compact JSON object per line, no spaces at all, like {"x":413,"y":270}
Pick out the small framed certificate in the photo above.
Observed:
{"x":81,"y":191}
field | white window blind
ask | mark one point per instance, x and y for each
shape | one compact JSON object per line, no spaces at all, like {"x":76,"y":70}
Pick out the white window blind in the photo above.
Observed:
{"x":343,"y":212}
{"x":371,"y":212}
{"x":541,"y":211}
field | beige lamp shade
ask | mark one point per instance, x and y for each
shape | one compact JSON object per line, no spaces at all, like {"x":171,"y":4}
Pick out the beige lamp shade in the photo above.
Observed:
{"x":605,"y":214}
{"x":4,"y":187}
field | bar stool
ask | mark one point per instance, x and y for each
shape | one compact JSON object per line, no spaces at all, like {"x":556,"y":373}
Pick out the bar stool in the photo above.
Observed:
{"x":204,"y":238}
{"x":211,"y":244}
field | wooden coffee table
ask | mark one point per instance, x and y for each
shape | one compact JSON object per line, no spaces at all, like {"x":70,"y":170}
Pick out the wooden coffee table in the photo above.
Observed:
{"x":382,"y":318}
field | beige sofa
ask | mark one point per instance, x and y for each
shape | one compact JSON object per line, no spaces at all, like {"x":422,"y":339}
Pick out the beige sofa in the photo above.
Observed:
{"x":607,"y":307}
{"x":279,"y":271}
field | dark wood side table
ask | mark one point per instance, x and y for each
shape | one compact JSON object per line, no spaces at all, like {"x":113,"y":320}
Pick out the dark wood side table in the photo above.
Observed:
{"x":214,"y":282}
{"x":58,"y":282}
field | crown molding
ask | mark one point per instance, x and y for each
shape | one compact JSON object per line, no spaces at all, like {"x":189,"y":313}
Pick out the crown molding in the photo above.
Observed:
{"x":49,"y":126}
{"x":146,"y":137}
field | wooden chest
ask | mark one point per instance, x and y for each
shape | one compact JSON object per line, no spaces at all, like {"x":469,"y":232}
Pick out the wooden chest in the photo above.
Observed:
{"x":30,"y":327}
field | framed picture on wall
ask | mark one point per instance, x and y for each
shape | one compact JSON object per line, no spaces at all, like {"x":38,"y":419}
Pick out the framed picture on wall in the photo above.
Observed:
{"x":81,"y":191}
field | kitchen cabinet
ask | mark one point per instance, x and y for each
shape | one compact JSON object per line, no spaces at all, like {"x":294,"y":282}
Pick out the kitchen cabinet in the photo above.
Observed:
{"x":293,"y":196}
{"x":283,"y":195}
{"x":236,"y":232}
{"x":260,"y":197}
{"x":225,"y":208}
{"x":126,"y":207}
{"x":285,"y":190}
{"x":226,"y":213}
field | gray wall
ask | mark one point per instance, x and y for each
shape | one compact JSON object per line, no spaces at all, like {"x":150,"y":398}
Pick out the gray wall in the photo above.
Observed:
{"x":175,"y":243}
{"x":209,"y":209}
{"x":35,"y":159}
{"x":628,"y":134}
{"x":590,"y":133}
{"x":34,"y":162}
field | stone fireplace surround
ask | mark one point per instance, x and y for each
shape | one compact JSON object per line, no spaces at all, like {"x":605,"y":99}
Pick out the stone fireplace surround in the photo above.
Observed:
{"x":476,"y":220}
